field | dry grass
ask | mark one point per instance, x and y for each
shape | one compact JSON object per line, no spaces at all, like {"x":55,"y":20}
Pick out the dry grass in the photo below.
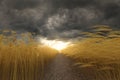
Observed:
{"x":22,"y":58}
{"x":98,"y":57}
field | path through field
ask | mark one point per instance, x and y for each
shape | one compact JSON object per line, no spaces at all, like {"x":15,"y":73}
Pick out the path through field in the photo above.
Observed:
{"x":61,"y":68}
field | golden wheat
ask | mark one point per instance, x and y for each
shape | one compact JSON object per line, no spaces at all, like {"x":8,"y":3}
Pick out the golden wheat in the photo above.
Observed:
{"x":101,"y":54}
{"x":22,"y":58}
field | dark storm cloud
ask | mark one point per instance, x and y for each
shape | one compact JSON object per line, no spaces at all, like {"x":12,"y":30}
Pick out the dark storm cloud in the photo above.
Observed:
{"x":73,"y":3}
{"x":58,"y":18}
{"x":22,"y":4}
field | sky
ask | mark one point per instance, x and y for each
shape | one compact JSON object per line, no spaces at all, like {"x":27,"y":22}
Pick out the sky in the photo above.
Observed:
{"x":58,"y":19}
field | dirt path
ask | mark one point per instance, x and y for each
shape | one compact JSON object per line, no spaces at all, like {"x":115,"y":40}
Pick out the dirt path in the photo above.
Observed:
{"x":61,"y":68}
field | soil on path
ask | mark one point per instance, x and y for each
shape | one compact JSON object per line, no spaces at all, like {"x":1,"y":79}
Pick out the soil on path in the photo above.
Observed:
{"x":61,"y":68}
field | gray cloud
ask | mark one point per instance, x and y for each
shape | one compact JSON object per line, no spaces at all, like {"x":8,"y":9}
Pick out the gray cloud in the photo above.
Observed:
{"x":22,"y":4}
{"x":58,"y":18}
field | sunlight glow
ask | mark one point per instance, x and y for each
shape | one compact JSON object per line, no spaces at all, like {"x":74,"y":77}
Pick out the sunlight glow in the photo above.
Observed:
{"x":58,"y":45}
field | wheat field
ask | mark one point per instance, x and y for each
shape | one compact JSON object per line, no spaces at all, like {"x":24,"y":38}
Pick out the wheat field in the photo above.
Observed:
{"x":97,"y":56}
{"x":22,"y":58}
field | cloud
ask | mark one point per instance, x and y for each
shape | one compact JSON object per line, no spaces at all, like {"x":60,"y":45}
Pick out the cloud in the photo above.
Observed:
{"x":22,"y":4}
{"x":58,"y":18}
